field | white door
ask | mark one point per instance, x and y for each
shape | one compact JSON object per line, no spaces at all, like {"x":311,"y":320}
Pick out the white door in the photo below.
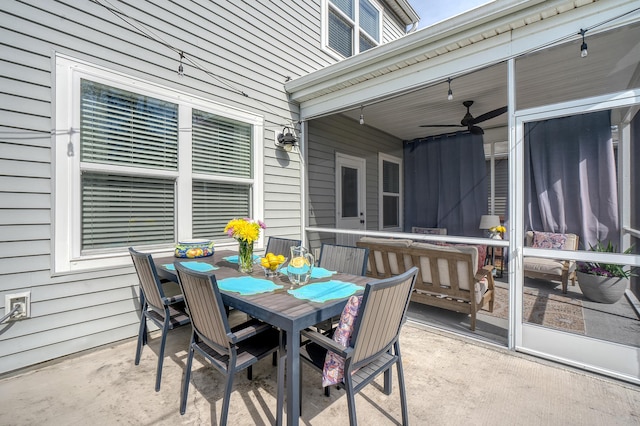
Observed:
{"x":350,"y":196}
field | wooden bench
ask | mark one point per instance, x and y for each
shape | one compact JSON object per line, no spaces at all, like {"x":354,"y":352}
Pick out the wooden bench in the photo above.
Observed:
{"x":449,"y":276}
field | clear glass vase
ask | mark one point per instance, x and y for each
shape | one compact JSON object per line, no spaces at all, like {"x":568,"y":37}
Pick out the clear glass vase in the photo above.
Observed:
{"x":245,"y":257}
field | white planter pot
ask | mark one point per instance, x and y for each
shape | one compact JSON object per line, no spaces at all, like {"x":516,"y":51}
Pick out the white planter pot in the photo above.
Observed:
{"x":602,"y":289}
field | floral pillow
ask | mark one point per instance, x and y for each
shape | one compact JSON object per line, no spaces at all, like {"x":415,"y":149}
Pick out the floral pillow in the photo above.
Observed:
{"x":549,"y":240}
{"x":333,"y":370}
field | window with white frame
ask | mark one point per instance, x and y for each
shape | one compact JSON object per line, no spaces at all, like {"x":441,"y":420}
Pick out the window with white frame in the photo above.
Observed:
{"x":390,"y":190}
{"x":145,"y":166}
{"x":351,"y":26}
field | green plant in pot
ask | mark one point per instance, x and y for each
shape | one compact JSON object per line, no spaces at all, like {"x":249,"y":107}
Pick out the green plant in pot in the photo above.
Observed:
{"x":603,"y":282}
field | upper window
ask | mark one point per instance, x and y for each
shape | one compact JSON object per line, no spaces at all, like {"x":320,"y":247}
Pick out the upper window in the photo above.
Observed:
{"x":144,"y":166}
{"x":351,"y":26}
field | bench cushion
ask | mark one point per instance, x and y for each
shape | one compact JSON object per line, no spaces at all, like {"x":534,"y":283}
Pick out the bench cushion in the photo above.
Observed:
{"x":545,"y":266}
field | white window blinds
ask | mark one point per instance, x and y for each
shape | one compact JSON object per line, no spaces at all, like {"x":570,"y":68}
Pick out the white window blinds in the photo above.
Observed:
{"x":214,"y":204}
{"x":221,"y":146}
{"x":340,"y":35}
{"x":131,"y":132}
{"x":124,"y":128}
{"x":125,"y":210}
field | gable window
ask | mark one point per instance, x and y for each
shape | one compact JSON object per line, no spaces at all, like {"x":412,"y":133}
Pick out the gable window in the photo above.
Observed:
{"x":351,"y":26}
{"x":144,"y":166}
{"x":390,"y":190}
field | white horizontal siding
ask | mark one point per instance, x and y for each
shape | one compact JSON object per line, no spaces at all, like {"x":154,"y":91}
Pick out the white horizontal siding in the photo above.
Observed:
{"x":246,"y":52}
{"x":23,"y":184}
{"x":392,"y":27}
{"x":25,"y":233}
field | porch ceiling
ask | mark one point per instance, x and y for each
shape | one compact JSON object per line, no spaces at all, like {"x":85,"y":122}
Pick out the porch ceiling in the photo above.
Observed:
{"x":554,"y":75}
{"x":551,"y":75}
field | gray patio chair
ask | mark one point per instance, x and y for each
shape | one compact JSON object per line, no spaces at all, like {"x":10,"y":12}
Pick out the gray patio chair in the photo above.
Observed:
{"x":281,"y":246}
{"x":229,"y":350}
{"x":374,"y":345}
{"x":166,"y":312}
{"x":345,"y":259}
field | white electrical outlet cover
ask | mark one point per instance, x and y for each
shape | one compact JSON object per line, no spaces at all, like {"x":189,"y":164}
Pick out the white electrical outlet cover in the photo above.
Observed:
{"x":27,"y":297}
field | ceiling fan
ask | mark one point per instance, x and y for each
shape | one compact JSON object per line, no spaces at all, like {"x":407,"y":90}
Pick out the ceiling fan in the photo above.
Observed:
{"x":470,"y":122}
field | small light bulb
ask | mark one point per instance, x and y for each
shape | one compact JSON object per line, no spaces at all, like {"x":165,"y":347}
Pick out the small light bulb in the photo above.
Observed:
{"x":361,"y":118}
{"x":583,"y":50}
{"x":450,"y":95}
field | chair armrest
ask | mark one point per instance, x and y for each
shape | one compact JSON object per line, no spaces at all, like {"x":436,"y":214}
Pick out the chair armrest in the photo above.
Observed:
{"x":248,"y":329}
{"x":483,"y":272}
{"x":326,"y":342}
{"x":486,"y":272}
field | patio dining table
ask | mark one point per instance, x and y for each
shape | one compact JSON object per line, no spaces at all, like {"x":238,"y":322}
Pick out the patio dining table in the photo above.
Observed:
{"x":275,"y":305}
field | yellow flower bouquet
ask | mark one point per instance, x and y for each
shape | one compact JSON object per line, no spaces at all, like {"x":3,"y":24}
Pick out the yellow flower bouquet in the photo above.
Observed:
{"x":497,"y":231}
{"x":246,"y":231}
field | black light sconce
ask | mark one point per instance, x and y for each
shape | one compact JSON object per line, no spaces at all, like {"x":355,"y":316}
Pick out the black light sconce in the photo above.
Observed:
{"x":286,"y":140}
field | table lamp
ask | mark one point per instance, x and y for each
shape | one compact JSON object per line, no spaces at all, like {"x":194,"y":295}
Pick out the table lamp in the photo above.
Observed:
{"x":488,"y":221}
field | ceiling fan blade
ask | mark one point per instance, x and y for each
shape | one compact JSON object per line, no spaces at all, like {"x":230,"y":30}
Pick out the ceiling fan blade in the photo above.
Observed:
{"x":442,"y":125}
{"x":475,"y":130}
{"x":489,"y":115}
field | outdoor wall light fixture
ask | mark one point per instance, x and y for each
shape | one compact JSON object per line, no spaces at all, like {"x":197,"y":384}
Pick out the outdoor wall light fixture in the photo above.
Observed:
{"x":286,"y":140}
{"x":450,"y":93}
{"x":361,"y":115}
{"x":583,"y":47}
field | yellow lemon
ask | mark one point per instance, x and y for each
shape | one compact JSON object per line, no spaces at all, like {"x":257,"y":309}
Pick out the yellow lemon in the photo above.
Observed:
{"x":270,"y":256}
{"x":273,"y":261}
{"x":298,"y":262}
{"x":280,"y":258}
{"x":265,"y":262}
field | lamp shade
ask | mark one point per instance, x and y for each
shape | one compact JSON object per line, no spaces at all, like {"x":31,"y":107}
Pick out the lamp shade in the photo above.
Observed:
{"x":488,"y":221}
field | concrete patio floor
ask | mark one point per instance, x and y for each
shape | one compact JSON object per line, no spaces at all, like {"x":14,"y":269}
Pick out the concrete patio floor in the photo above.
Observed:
{"x":450,"y":381}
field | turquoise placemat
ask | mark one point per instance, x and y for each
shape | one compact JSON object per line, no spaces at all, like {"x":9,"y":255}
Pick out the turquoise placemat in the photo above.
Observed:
{"x":317,"y":272}
{"x":234,"y":259}
{"x":196,"y":266}
{"x":321,"y":292}
{"x":247,"y":286}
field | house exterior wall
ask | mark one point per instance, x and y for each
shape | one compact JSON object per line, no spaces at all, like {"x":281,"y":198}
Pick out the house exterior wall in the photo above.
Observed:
{"x":246,"y":52}
{"x":340,"y":134}
{"x":392,"y":27}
